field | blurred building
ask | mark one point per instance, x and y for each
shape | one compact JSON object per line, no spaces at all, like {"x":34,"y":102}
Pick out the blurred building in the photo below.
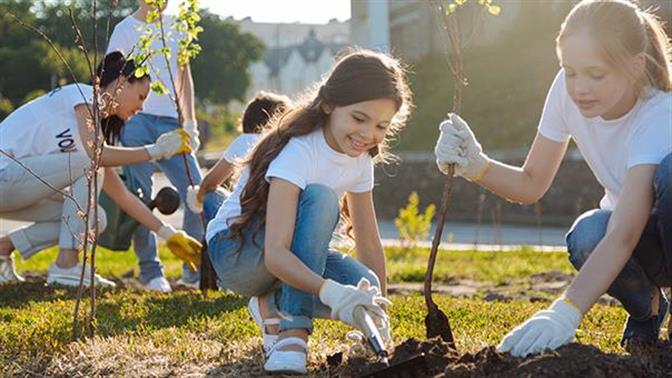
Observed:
{"x":414,"y":29}
{"x":296,"y":56}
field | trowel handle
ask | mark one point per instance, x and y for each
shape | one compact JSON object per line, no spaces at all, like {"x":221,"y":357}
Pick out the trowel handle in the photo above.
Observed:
{"x":364,"y":323}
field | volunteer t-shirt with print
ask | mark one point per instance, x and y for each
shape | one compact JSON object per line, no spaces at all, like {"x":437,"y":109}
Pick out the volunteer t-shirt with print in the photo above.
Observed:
{"x":305,"y":160}
{"x":46,"y":125}
{"x":125,"y":37}
{"x":611,"y":147}
{"x":240,"y":147}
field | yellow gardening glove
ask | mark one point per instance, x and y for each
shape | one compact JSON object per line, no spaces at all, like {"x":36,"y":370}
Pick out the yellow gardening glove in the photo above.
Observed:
{"x":169,"y":144}
{"x":182,"y":245}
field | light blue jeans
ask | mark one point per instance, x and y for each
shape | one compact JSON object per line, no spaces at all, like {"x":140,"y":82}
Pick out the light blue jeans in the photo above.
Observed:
{"x":145,"y":129}
{"x":651,"y":263}
{"x":242,"y":268}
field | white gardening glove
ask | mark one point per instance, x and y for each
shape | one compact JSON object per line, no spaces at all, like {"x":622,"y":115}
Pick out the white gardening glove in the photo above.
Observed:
{"x":458,"y":145}
{"x":169,"y":144}
{"x":382,"y":322}
{"x":191,"y":127}
{"x":193,"y":203}
{"x":342,"y":299}
{"x":547,"y":329}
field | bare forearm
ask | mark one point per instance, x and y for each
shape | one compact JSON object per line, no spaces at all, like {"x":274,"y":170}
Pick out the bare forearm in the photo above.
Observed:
{"x":114,"y":156}
{"x":283,"y":264}
{"x":188,"y":95}
{"x":373,"y":256}
{"x":598,"y":272}
{"x":512,"y":183}
{"x":114,"y":187}
{"x":139,"y":211}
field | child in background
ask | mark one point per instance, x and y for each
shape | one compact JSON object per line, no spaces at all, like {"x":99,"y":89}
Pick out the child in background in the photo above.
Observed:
{"x":258,"y":112}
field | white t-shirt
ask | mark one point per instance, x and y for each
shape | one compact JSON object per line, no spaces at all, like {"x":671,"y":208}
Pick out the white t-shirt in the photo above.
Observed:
{"x":611,"y":147}
{"x":46,"y":125}
{"x":240,"y":146}
{"x":305,"y":160}
{"x":125,"y":37}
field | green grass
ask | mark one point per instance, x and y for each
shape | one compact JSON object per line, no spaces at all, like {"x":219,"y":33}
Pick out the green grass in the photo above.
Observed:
{"x":183,"y":333}
{"x":35,"y":325}
{"x":402,"y":265}
{"x":498,"y":268}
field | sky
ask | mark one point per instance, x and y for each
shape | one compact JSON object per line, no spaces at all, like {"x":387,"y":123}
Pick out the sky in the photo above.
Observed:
{"x":304,"y":11}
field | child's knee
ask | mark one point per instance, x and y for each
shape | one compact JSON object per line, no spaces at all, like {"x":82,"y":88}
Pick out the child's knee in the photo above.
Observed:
{"x":663,"y":182}
{"x":586,"y":233}
{"x":321,"y":199}
{"x":372,"y":277}
{"x":102,"y":220}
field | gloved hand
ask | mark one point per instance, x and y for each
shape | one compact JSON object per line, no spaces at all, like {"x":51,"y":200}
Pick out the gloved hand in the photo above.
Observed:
{"x":547,"y":329}
{"x":182,"y":245}
{"x":169,"y":144}
{"x":458,"y":145}
{"x":193,"y":202}
{"x":382,"y":322}
{"x":342,"y":299}
{"x":191,"y":127}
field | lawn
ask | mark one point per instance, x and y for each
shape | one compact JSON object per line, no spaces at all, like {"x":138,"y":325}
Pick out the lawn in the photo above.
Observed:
{"x":183,"y":333}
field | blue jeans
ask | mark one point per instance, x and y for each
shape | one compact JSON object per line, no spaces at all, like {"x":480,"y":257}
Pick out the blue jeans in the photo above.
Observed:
{"x":145,"y":129}
{"x":244,"y":271}
{"x":651,"y":263}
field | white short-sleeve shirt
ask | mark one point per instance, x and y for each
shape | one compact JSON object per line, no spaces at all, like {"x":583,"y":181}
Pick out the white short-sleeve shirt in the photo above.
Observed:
{"x":46,"y":125}
{"x":125,"y":37}
{"x":611,"y":147}
{"x":240,"y":147}
{"x":305,"y":160}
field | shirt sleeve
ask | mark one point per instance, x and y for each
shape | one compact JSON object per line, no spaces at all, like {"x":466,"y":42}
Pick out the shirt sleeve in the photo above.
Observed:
{"x":291,"y":164}
{"x":552,"y":124}
{"x":119,"y":42}
{"x":234,"y":151}
{"x":365,"y":183}
{"x":652,"y":139}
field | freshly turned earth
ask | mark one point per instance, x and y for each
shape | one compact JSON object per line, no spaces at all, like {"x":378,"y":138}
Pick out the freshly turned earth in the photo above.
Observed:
{"x":574,"y":360}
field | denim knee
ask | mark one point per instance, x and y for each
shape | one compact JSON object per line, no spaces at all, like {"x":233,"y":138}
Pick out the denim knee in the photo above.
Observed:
{"x":585,"y":234}
{"x":662,"y":183}
{"x":321,"y":199}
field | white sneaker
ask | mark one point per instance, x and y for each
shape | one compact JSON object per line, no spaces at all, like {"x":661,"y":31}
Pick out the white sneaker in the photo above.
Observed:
{"x":70,"y":276}
{"x":7,"y":270}
{"x":189,"y":285}
{"x":159,"y":284}
{"x":287,"y":361}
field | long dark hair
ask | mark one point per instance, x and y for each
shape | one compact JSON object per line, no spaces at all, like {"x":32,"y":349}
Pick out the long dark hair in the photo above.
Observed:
{"x":360,"y":76}
{"x":113,"y":66}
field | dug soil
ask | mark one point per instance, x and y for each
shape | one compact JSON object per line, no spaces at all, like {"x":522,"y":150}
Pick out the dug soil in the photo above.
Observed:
{"x":574,"y":360}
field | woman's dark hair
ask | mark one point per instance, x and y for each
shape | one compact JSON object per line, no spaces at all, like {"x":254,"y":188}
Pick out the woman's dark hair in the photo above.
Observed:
{"x":362,"y":75}
{"x":261,"y":109}
{"x":113,"y":66}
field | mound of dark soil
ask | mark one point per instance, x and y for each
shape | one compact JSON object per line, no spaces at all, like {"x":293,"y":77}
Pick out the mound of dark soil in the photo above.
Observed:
{"x":574,"y":360}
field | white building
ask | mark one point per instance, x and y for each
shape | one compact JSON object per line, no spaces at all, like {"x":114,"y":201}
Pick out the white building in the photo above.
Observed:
{"x":288,"y":34}
{"x":296,"y":56}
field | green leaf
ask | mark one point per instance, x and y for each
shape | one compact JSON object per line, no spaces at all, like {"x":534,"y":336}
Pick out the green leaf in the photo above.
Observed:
{"x":495,"y":10}
{"x":141,"y":71}
{"x":451,"y":8}
{"x":159,"y":88}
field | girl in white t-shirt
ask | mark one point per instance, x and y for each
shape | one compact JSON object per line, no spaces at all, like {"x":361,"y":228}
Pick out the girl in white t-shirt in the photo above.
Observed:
{"x":257,"y":113}
{"x":270,"y":239}
{"x":46,"y":149}
{"x":612,"y":97}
